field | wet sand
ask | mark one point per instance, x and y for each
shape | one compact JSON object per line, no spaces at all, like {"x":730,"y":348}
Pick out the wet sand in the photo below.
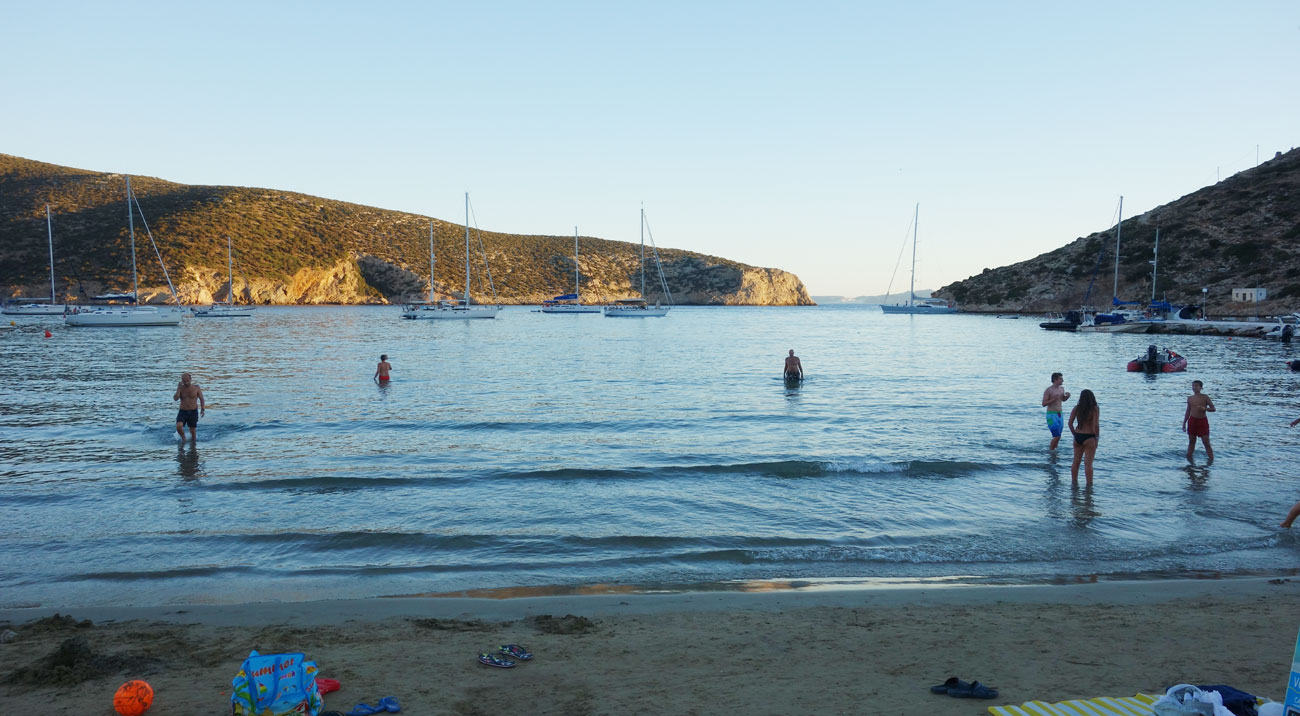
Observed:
{"x":872,"y":651}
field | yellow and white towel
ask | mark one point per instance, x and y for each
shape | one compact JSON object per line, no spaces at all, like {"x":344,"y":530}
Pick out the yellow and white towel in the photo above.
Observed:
{"x":1139,"y":705}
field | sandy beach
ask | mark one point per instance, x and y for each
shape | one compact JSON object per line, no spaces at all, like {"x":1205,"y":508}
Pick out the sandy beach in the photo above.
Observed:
{"x":778,"y":651}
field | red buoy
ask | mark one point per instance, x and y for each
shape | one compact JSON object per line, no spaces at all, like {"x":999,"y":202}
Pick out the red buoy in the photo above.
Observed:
{"x":48,"y":334}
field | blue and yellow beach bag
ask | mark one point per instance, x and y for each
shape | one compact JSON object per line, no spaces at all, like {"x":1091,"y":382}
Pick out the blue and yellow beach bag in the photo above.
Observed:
{"x":276,"y":685}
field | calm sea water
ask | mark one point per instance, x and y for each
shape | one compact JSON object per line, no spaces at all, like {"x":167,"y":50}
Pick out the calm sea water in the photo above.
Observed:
{"x":538,"y":450}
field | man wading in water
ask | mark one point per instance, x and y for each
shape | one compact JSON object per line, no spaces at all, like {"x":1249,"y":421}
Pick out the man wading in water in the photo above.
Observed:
{"x":793,"y":368}
{"x":192,"y":406}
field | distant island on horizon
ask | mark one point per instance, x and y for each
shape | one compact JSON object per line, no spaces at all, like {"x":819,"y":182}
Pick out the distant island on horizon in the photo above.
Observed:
{"x":888,"y":298}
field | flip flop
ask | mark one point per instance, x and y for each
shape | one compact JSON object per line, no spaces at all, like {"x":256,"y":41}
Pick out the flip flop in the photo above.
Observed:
{"x":365,"y":710}
{"x":492,"y":660}
{"x":974,"y":690}
{"x":516,"y":651}
{"x":952,"y":683}
{"x":390,"y":703}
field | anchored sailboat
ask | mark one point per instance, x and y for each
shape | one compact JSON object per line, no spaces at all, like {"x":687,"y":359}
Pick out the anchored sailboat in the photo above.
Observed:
{"x":636,"y":307}
{"x":226,"y":308}
{"x":915,"y":305}
{"x":441,"y":310}
{"x":33,"y":306}
{"x":135,"y":314}
{"x":570,"y":302}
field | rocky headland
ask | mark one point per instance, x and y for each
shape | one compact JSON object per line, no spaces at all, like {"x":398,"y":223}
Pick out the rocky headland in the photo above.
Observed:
{"x":299,"y":249}
{"x":1243,"y":232}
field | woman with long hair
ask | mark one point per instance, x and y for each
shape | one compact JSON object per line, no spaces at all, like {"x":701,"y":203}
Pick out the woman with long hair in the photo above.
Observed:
{"x":1085,"y":424}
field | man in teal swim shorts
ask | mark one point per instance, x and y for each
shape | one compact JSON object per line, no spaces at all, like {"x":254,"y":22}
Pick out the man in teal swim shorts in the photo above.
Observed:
{"x":1052,"y":399}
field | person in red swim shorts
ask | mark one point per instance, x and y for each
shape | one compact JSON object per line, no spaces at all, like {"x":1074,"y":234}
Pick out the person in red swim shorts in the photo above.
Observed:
{"x":381,"y":371}
{"x":1195,"y":424}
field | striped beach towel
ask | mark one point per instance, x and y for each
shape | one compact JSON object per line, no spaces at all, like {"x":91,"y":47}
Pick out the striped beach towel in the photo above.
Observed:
{"x":1139,"y":705}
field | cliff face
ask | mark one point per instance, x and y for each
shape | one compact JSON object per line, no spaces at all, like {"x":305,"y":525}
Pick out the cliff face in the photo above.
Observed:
{"x":294,"y":248}
{"x":1243,"y":232}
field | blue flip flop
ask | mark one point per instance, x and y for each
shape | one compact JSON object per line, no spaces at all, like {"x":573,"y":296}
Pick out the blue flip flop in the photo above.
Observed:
{"x":493,"y":660}
{"x":952,"y":683}
{"x":365,"y":710}
{"x":516,"y":651}
{"x":974,"y":690}
{"x":390,"y":703}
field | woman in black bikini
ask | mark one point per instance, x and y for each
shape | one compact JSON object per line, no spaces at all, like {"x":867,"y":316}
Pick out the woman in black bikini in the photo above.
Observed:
{"x":1085,"y":423}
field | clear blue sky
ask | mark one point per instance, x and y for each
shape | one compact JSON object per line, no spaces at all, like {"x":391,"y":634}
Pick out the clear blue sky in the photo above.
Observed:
{"x":790,"y":135}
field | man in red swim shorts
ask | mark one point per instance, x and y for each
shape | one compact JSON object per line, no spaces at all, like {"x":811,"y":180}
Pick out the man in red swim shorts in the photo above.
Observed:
{"x":381,"y":371}
{"x":1195,"y":424}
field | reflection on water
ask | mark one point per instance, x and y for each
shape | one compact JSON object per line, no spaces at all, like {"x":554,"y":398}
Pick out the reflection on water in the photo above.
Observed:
{"x":187,"y":462}
{"x":1082,"y":510}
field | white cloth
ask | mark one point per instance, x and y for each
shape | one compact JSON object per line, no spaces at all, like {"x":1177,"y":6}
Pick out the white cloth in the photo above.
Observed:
{"x":1188,"y":700}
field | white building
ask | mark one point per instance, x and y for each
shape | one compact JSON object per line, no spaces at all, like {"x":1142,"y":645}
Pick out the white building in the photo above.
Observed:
{"x":1249,"y":295}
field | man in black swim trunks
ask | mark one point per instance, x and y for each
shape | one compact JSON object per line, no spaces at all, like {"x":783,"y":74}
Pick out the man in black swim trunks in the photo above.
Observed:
{"x":793,"y":368}
{"x":192,"y":406}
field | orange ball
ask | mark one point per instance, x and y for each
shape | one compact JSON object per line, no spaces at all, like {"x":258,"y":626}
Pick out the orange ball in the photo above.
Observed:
{"x":133,"y":698}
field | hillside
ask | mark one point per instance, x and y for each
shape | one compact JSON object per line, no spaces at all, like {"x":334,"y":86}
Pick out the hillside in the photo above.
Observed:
{"x":295,"y":248}
{"x":1242,"y":232}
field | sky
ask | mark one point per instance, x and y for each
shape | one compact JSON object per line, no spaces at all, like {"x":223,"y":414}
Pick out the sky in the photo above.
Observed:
{"x":798,"y":136}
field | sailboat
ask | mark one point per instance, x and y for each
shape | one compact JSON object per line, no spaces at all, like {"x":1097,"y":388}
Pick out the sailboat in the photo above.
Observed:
{"x":33,"y":306}
{"x":636,"y":307}
{"x":135,"y":314}
{"x":914,"y":304}
{"x":1115,"y":321}
{"x":570,"y":302}
{"x":440,"y":310}
{"x":226,"y":308}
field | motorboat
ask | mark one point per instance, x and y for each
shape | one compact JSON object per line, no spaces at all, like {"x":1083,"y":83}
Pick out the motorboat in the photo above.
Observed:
{"x":1069,"y":321}
{"x":1157,"y":361}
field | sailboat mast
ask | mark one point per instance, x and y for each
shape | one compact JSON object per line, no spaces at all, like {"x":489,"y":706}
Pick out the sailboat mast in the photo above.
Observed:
{"x":575,"y":266}
{"x":911,"y":290}
{"x":230,"y":272}
{"x":1114,"y":292}
{"x":1155,"y":264}
{"x":431,"y":261}
{"x":466,"y":249}
{"x":130,"y":223}
{"x":643,"y":252}
{"x":49,"y":232}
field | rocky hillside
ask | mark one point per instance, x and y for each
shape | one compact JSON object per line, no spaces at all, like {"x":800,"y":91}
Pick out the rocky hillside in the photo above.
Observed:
{"x":294,"y":248}
{"x":1243,"y":232}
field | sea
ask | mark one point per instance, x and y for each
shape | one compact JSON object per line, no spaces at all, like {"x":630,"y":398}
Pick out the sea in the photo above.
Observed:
{"x":540,"y":453}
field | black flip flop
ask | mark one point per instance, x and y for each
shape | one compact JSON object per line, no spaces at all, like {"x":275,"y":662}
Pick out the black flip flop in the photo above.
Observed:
{"x":952,"y":683}
{"x":973,"y":690}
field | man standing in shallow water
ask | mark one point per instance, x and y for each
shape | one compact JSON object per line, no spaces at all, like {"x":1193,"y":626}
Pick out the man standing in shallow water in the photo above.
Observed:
{"x":192,"y":406}
{"x":1195,"y":424}
{"x":1052,"y":399}
{"x":793,"y":368}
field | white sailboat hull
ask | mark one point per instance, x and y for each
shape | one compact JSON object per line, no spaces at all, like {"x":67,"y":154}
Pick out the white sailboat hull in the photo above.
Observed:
{"x":452,"y":313}
{"x":570,"y":309}
{"x":226,"y":311}
{"x":112,"y":316}
{"x":34,"y":309}
{"x":1128,"y":327}
{"x":918,"y":309}
{"x":635,"y":312}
